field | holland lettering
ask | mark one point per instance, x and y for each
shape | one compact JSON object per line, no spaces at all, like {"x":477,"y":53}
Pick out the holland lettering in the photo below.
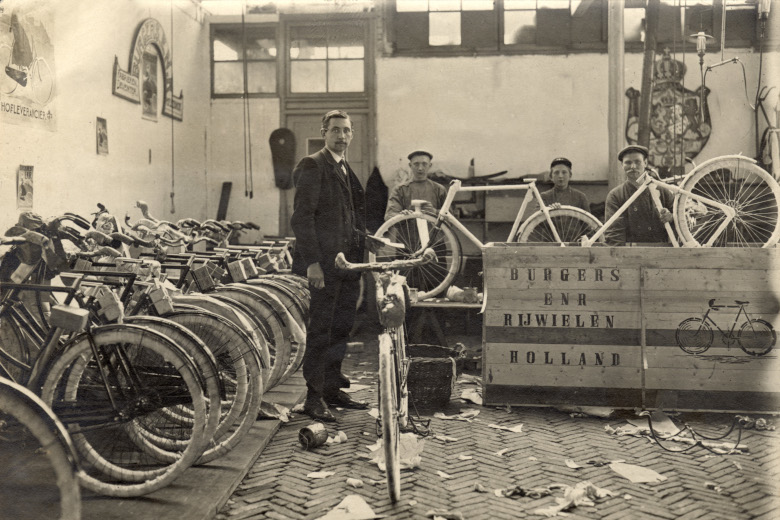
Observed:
{"x":596,"y":359}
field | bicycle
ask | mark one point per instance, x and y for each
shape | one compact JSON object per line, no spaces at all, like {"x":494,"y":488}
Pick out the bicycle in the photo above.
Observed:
{"x":34,"y":441}
{"x":113,"y":386}
{"x":37,"y":72}
{"x":727,"y":201}
{"x":420,"y":230}
{"x":755,"y":337}
{"x":391,"y":297}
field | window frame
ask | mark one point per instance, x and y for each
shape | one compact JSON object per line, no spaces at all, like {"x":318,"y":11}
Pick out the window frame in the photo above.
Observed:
{"x":272,"y":27}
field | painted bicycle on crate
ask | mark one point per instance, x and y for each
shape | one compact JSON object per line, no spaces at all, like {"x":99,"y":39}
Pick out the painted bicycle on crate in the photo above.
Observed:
{"x":755,"y":337}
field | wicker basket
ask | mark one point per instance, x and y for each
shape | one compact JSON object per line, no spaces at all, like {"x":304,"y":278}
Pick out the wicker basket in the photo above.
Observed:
{"x":432,"y":373}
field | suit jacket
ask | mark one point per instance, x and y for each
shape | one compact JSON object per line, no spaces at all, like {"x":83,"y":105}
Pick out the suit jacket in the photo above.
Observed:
{"x":329,"y":215}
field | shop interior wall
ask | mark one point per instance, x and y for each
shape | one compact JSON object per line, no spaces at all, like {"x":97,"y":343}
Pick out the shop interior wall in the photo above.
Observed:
{"x":516,"y":113}
{"x":68,"y":173}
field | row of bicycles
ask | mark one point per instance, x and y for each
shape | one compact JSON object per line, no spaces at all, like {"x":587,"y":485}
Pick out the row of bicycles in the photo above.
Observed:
{"x":129,"y":353}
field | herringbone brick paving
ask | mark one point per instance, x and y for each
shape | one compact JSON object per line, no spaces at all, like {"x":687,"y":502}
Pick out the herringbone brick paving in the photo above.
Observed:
{"x":277,"y":487}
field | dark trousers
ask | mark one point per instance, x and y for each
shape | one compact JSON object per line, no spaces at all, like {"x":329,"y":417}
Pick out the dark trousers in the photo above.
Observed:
{"x":331,"y":317}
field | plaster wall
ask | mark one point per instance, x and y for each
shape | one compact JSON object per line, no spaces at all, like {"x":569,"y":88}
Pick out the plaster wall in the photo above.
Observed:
{"x":68,"y":173}
{"x":516,"y":113}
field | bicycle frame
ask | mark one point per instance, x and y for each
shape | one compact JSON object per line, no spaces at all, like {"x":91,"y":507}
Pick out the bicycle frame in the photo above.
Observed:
{"x":730,"y":335}
{"x":532,"y":193}
{"x":648,"y":182}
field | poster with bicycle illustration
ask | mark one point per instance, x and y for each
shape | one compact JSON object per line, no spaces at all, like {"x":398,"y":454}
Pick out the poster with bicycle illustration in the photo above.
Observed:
{"x":27,"y":76}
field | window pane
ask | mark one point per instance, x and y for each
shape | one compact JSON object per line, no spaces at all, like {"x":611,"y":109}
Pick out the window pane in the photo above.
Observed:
{"x":552,"y":4}
{"x":308,"y":76}
{"x":308,"y":43}
{"x":408,"y":6}
{"x":519,"y":27}
{"x":633,"y":30}
{"x":226,"y":46}
{"x":444,"y":29}
{"x":346,"y":42}
{"x":260,"y":44}
{"x":228,"y":77}
{"x":262,"y":77}
{"x":519,"y":4}
{"x":478,"y":5}
{"x":345,"y":76}
{"x":444,"y":5}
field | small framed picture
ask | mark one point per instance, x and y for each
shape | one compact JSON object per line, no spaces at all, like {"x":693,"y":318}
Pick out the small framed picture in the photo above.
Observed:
{"x":24,"y":187}
{"x":101,"y":130}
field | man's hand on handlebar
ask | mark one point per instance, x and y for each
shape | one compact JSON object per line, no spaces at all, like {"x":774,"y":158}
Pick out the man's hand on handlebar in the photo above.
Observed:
{"x":315,"y":275}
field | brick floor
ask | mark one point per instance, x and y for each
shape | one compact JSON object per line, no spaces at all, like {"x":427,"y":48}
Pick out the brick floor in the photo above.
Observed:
{"x":277,"y":486}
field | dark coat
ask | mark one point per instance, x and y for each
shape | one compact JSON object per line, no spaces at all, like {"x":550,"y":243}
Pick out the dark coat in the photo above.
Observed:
{"x":325,"y":221}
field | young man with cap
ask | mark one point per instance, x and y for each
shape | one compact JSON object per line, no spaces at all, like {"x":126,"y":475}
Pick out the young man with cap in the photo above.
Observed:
{"x":642,"y":222}
{"x":562,"y":194}
{"x":420,"y":187}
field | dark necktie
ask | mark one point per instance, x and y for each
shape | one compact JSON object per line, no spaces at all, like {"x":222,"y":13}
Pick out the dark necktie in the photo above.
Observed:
{"x":343,"y":167}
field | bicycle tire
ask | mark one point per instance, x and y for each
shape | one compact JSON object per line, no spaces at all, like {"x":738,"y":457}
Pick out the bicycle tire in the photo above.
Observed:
{"x":570,"y":222}
{"x":36,"y":420}
{"x":16,"y":357}
{"x":207,"y":371}
{"x":240,"y":371}
{"x":429,"y":279}
{"x":296,"y":301}
{"x":737,"y":182}
{"x":7,"y":84}
{"x":762,"y":334}
{"x":41,"y":81}
{"x":689,"y":336}
{"x":101,"y":434}
{"x":388,"y":413}
{"x":295,"y":334}
{"x":270,"y":326}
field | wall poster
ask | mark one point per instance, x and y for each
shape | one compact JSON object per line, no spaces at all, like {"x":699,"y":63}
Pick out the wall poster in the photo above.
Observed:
{"x":27,"y":77}
{"x":101,"y":130}
{"x":149,"y":86}
{"x":24,"y":187}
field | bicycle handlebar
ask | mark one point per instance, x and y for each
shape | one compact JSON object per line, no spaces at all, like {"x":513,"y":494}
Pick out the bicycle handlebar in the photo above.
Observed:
{"x":427,"y":257}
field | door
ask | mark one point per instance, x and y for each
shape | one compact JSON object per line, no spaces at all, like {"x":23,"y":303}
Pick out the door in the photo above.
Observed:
{"x":309,"y":140}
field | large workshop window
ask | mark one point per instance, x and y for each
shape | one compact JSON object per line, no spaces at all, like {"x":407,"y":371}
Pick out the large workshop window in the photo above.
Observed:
{"x":327,"y":58}
{"x":468,"y":27}
{"x":243,"y":59}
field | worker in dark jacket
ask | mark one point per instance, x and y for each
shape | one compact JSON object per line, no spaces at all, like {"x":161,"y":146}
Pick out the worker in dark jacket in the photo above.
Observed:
{"x":328,"y":218}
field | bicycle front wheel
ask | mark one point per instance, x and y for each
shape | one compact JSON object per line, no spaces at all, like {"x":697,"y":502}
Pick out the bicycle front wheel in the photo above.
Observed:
{"x":571,"y":224}
{"x":38,"y":459}
{"x":41,"y":81}
{"x":147,"y":375}
{"x":388,"y":409}
{"x":737,"y":182}
{"x":414,"y":232}
{"x":694,"y":336}
{"x":756,"y":337}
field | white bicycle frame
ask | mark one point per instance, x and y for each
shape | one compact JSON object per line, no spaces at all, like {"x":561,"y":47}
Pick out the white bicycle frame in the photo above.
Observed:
{"x":647,"y":182}
{"x":532,"y":192}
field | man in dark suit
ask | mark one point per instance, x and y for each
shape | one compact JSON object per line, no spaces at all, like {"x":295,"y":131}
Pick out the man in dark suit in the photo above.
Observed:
{"x":329,"y":216}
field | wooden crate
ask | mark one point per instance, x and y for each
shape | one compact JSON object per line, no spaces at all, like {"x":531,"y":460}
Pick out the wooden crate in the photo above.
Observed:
{"x":598,"y":326}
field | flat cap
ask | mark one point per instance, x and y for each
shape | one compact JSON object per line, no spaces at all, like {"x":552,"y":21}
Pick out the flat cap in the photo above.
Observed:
{"x":419,"y":152}
{"x":633,"y":148}
{"x":560,"y":160}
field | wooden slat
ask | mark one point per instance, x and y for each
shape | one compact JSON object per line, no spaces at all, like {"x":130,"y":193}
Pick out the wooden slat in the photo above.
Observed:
{"x":714,"y":379}
{"x":503,"y":299}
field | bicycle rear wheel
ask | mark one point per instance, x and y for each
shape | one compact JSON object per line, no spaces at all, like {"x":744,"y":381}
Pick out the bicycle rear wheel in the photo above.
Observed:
{"x":38,"y":459}
{"x":756,"y":337}
{"x":41,"y":81}
{"x":146,"y":373}
{"x":7,"y":84}
{"x":571,"y":224}
{"x":388,"y":410}
{"x":737,"y":182}
{"x":411,"y":231}
{"x":694,"y":336}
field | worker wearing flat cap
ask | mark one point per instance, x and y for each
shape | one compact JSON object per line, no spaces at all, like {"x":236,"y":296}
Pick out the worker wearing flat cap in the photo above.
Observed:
{"x":562,"y":194}
{"x":419,"y":187}
{"x":642,"y":222}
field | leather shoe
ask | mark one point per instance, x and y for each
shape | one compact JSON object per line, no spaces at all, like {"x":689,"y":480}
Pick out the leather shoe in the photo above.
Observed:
{"x":318,"y":411}
{"x":343,"y":400}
